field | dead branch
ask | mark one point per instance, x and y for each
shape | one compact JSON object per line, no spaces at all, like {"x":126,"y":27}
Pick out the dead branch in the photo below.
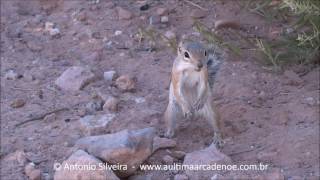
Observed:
{"x":41,"y":116}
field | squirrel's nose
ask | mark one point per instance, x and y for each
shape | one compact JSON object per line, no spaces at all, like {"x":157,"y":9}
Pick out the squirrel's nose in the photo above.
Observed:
{"x":200,"y":65}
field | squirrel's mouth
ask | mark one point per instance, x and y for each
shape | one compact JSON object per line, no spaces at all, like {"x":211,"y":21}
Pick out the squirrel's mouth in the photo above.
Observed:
{"x":198,"y":69}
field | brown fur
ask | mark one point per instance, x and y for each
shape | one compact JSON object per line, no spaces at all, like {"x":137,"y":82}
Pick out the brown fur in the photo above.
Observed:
{"x":190,"y":94}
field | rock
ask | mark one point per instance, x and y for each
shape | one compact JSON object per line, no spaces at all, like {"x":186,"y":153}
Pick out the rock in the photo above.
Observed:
{"x":123,"y":13}
{"x":125,"y":83}
{"x":178,"y":154}
{"x":48,"y":26}
{"x":127,"y":147}
{"x":168,"y":159}
{"x":225,"y":23}
{"x":198,"y":13}
{"x":95,"y":124}
{"x":74,"y":78}
{"x":82,"y":159}
{"x":31,"y":172}
{"x":161,"y":143}
{"x":94,"y":106}
{"x":50,"y":117}
{"x":11,"y":75}
{"x":82,"y":16}
{"x":180,"y":177}
{"x":109,"y":75}
{"x":209,"y":156}
{"x":164,"y":19}
{"x":170,"y":35}
{"x":17,"y":103}
{"x":117,"y":32}
{"x":111,"y":104}
{"x":293,"y":78}
{"x":54,"y":32}
{"x":161,"y":11}
{"x":51,"y":29}
{"x":154,"y":20}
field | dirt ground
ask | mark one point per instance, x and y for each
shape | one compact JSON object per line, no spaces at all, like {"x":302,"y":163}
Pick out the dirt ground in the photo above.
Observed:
{"x":267,"y":117}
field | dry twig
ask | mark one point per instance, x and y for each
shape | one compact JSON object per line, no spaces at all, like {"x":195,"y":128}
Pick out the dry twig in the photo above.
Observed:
{"x":41,"y":116}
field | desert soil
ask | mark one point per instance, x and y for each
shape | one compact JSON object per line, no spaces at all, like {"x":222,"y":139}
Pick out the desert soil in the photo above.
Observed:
{"x":269,"y":117}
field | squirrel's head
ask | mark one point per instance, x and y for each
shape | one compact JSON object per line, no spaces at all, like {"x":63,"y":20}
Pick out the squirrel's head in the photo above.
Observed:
{"x":193,"y":53}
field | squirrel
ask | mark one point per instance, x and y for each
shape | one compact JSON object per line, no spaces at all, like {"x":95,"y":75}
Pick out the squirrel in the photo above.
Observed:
{"x":190,"y":93}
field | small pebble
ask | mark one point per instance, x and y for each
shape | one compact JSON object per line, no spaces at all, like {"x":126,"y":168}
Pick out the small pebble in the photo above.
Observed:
{"x":118,"y":32}
{"x":11,"y":75}
{"x":17,"y":103}
{"x":54,"y":32}
{"x":50,"y":117}
{"x":109,"y":75}
{"x":164,"y":19}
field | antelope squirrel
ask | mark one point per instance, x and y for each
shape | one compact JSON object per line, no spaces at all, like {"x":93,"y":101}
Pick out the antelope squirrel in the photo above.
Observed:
{"x":190,"y":93}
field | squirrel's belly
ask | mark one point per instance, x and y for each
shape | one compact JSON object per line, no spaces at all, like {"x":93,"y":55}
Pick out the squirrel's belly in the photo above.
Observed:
{"x":192,"y":90}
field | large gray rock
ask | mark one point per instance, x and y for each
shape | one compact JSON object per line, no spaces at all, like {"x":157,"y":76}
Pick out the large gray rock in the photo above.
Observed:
{"x":127,"y":147}
{"x":74,"y":78}
{"x":95,"y":124}
{"x":81,"y":159}
{"x":208,"y":156}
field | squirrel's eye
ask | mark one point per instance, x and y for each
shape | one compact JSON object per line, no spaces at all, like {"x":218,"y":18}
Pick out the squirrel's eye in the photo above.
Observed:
{"x":205,"y":53}
{"x":186,"y":55}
